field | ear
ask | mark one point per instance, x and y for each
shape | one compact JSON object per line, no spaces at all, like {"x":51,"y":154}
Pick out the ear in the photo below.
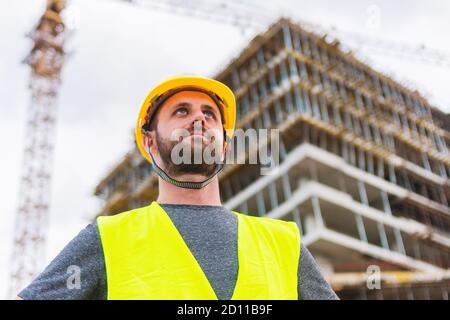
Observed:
{"x":226,"y":146}
{"x":225,"y":150}
{"x":149,"y":141}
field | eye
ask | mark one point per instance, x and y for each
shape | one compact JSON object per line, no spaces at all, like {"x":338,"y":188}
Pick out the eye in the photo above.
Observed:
{"x":181,"y":111}
{"x":209,"y":114}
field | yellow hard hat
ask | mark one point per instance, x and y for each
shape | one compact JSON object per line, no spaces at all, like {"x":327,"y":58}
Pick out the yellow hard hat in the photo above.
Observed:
{"x":219,"y":92}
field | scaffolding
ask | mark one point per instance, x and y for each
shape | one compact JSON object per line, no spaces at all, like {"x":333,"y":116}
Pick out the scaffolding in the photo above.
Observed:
{"x":364,"y":165}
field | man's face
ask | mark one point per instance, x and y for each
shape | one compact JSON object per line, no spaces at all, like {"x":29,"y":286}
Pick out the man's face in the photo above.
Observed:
{"x":187,"y":121}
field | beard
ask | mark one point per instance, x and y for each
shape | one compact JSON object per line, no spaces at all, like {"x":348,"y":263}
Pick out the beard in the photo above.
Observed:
{"x":165,"y":147}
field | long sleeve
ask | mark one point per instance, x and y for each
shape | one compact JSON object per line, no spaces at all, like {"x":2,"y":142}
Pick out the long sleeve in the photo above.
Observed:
{"x":311,"y":283}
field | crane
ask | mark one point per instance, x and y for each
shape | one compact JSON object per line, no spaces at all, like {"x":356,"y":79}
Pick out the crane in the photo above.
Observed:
{"x":46,"y":61}
{"x":241,"y":14}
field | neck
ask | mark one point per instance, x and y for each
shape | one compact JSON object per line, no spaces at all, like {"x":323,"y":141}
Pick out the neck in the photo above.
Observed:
{"x":208,"y":195}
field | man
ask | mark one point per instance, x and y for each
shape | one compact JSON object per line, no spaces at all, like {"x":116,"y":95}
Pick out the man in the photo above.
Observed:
{"x":184,"y":245}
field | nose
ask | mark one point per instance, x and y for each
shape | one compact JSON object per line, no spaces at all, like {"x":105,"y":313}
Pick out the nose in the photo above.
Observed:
{"x":198,"y":118}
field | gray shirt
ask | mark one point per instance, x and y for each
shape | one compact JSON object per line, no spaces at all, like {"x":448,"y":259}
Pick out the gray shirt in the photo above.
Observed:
{"x":210,"y":232}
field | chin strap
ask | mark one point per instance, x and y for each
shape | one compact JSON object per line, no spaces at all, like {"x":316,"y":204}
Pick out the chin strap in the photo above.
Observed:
{"x":185,"y":184}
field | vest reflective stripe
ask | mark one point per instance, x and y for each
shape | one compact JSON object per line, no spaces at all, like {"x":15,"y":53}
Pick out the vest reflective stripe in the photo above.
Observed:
{"x":147,"y":258}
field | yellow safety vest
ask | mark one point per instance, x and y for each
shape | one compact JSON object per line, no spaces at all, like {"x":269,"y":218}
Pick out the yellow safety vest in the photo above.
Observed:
{"x":147,"y":258}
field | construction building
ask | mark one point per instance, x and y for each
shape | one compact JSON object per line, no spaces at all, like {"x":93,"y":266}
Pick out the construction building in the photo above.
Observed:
{"x":364,"y":165}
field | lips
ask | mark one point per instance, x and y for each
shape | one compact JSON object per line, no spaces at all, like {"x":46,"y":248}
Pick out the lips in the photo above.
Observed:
{"x":197,"y":134}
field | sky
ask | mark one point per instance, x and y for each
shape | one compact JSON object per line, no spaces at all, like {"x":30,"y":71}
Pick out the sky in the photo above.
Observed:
{"x":118,"y":51}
